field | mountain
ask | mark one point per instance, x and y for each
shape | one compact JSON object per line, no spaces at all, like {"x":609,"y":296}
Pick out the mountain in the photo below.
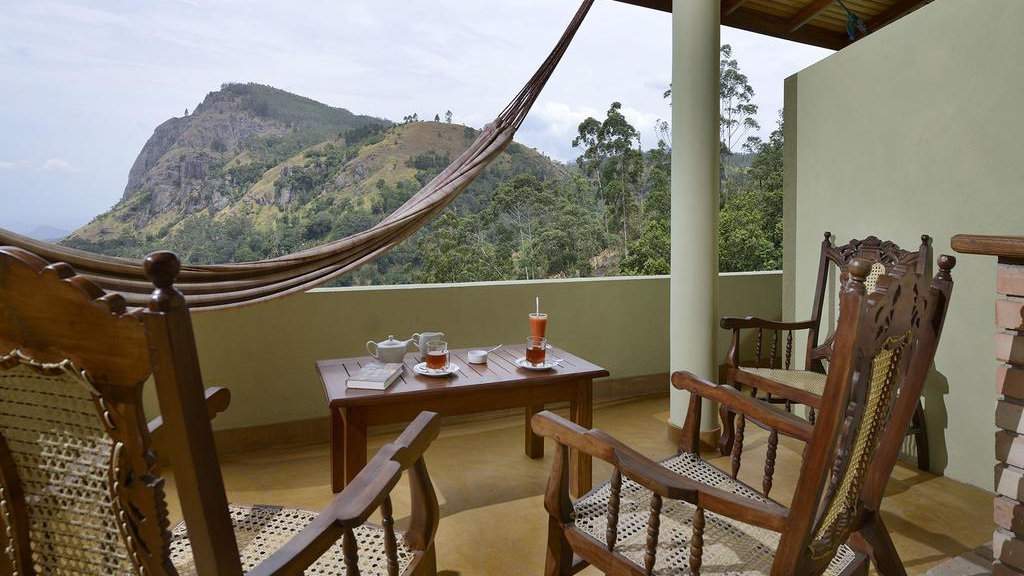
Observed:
{"x":47,"y":233}
{"x":256,"y":172}
{"x":43,"y":232}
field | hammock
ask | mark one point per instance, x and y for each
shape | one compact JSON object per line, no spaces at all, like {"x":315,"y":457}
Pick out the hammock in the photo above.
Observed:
{"x":214,"y":286}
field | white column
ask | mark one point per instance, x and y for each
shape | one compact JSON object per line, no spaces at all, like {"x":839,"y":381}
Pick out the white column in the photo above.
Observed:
{"x":695,"y":150}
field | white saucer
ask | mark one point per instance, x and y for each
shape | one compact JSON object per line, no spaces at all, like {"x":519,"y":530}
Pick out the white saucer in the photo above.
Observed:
{"x":547,"y":365}
{"x":421,"y":368}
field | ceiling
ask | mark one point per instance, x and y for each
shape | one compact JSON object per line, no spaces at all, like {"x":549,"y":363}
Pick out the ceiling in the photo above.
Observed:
{"x":816,"y":22}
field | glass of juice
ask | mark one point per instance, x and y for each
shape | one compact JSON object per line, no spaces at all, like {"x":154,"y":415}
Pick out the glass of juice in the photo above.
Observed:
{"x":538,"y":324}
{"x":536,"y":349}
{"x":437,"y":355}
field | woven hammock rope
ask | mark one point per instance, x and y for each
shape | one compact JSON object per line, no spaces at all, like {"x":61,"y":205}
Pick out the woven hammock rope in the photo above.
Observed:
{"x":214,"y":286}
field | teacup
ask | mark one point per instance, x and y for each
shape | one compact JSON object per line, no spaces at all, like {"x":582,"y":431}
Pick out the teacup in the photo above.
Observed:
{"x":420,"y":340}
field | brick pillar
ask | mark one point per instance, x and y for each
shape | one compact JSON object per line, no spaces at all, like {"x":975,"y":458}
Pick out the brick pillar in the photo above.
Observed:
{"x":1008,"y":513}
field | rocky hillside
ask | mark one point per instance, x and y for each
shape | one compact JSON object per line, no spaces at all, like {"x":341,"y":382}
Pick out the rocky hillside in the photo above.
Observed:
{"x":255,"y":172}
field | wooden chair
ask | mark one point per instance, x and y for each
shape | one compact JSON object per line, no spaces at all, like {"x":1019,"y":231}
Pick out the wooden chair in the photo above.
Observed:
{"x":652,"y":518}
{"x":80,"y":485}
{"x":771,"y":376}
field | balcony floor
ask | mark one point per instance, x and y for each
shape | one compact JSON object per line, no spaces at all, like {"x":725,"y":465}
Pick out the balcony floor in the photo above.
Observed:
{"x":493,"y":520}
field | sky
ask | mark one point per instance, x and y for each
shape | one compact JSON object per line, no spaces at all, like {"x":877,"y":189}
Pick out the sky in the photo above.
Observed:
{"x":85,"y":83}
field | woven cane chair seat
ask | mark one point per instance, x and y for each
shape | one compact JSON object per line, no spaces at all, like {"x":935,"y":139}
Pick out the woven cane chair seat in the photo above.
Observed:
{"x":62,"y":453}
{"x":806,"y":380}
{"x":262,"y":530}
{"x":730,"y":547}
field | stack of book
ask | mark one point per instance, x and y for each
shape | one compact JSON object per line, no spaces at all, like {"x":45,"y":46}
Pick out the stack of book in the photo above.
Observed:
{"x":374,"y":376}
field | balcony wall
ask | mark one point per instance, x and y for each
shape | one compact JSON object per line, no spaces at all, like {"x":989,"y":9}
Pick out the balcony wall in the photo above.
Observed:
{"x":912,"y":131}
{"x":265,"y":353}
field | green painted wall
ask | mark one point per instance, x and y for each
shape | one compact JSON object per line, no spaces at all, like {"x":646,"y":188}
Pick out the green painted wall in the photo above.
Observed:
{"x":265,"y":353}
{"x":917,"y":129}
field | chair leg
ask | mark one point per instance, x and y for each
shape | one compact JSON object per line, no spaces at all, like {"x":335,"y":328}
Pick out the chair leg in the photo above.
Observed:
{"x":883,"y":551}
{"x":921,"y":438}
{"x":737,"y":445}
{"x":559,"y":554}
{"x":728,"y":430}
{"x":428,"y":563}
{"x":769,"y":461}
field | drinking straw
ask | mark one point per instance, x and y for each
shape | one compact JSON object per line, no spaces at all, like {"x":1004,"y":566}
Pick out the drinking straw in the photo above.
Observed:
{"x":538,"y":305}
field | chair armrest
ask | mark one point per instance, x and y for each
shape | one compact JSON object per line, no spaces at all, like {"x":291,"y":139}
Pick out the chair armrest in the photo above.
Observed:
{"x":361,"y":497}
{"x":749,"y":406}
{"x":740,"y":322}
{"x":656,"y":477}
{"x":217,"y":400}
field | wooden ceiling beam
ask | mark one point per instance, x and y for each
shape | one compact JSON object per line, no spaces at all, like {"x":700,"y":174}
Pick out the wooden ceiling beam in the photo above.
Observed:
{"x":663,"y":5}
{"x":777,"y":26}
{"x":897,"y":11}
{"x":807,"y":13}
{"x":736,"y":14}
{"x":730,"y":6}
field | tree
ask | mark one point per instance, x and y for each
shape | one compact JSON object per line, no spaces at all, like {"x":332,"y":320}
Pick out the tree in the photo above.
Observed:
{"x":454,"y":252}
{"x":750,"y":221}
{"x":448,"y":116}
{"x":750,"y":236}
{"x":766,"y":168}
{"x":521,"y":204}
{"x":437,"y":117}
{"x":609,"y":157}
{"x":738,"y":111}
{"x":651,"y":251}
{"x":571,"y":234}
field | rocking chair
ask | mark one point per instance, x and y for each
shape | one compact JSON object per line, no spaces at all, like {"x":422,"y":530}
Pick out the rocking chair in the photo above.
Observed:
{"x":770,"y":376}
{"x":683,"y":515}
{"x":80,"y":485}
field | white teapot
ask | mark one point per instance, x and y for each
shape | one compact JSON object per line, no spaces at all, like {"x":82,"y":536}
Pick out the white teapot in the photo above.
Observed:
{"x":390,"y":351}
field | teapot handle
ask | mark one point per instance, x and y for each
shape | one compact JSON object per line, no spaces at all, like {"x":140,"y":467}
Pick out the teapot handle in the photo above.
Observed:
{"x":415,"y":339}
{"x":372,"y":352}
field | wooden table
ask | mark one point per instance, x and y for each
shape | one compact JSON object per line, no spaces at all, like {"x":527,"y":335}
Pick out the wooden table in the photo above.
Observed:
{"x":497,"y":385}
{"x":1008,"y":538}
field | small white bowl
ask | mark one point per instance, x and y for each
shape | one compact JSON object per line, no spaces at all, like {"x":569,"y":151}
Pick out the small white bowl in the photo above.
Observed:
{"x":477,"y":356}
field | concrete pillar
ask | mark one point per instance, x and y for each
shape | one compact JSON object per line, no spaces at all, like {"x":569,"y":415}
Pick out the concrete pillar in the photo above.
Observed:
{"x":695,"y":165}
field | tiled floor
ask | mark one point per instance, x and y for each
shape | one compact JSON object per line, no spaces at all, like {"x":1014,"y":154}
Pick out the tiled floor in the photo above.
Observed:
{"x":493,"y":521}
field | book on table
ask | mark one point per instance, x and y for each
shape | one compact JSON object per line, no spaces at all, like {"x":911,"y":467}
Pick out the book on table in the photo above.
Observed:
{"x":374,"y":376}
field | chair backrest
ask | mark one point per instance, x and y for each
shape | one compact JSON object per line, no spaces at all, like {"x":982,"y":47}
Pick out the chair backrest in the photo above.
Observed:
{"x":882,"y":255}
{"x":884,"y":344}
{"x":80,"y":489}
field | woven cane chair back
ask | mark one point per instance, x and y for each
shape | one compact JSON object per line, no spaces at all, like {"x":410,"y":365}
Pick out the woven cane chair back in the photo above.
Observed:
{"x":873,"y":352}
{"x":79,"y":489}
{"x":882,"y":255}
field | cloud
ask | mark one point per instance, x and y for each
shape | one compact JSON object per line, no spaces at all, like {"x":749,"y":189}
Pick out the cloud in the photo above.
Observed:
{"x":57,"y":165}
{"x":7,"y":165}
{"x":552,"y":125}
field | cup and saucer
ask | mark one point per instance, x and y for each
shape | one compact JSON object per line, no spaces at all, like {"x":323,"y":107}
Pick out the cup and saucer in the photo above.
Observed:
{"x":436,"y":353}
{"x":536,"y":356}
{"x":424,"y":370}
{"x":545,"y":365}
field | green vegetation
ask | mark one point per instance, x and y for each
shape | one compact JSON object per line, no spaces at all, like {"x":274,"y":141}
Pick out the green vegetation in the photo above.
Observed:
{"x":315,"y":174}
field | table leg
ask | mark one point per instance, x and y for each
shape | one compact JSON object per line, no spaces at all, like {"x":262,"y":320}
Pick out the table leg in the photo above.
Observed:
{"x":581,"y":411}
{"x":355,"y":442}
{"x":337,"y":450}
{"x":534,"y":442}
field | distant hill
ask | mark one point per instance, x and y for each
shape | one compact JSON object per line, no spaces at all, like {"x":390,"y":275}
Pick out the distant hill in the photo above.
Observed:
{"x":47,"y":233}
{"x":256,"y":172}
